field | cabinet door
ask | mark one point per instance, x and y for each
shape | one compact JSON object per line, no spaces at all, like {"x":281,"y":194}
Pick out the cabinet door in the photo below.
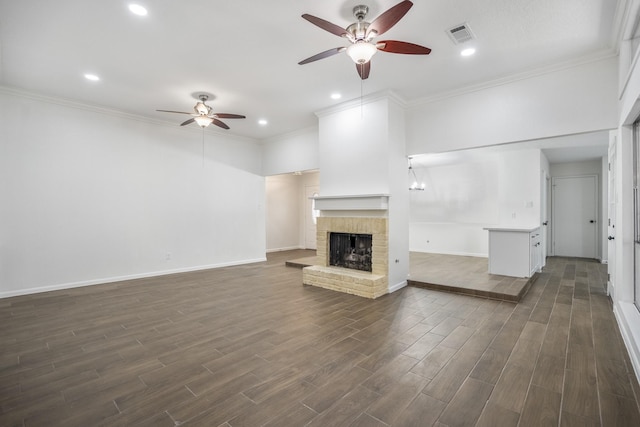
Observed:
{"x":535,"y":251}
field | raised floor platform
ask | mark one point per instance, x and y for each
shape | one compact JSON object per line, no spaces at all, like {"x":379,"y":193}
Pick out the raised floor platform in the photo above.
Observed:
{"x":451,"y":273}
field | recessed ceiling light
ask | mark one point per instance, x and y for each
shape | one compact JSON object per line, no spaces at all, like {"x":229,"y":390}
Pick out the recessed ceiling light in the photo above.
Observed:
{"x":136,"y":9}
{"x":262,"y":122}
{"x":336,"y":96}
{"x":91,"y":77}
{"x":468,"y":52}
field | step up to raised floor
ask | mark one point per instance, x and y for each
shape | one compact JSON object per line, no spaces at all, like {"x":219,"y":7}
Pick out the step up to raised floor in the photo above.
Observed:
{"x":454,"y":273}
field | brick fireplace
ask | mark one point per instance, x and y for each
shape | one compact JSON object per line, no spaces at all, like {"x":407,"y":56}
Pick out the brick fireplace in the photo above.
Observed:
{"x":362,"y":283}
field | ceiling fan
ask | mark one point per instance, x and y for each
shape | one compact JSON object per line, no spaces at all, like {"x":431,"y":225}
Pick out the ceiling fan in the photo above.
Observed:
{"x":203,"y":115}
{"x":361,"y":35}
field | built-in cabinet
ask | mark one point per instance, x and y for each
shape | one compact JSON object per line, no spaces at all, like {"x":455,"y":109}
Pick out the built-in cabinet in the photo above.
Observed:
{"x":515,"y":252}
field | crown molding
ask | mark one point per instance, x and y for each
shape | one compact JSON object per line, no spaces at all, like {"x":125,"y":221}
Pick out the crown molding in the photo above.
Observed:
{"x":94,"y":108}
{"x":576,"y":62}
{"x":359,"y":102}
{"x":70,"y":103}
{"x":620,"y":18}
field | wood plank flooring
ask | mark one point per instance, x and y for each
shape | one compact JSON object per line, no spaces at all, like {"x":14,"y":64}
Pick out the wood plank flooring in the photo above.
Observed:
{"x":451,"y":273}
{"x":250,"y":346}
{"x":466,"y":275}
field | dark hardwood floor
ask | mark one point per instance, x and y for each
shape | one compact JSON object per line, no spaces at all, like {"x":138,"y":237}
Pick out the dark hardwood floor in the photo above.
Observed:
{"x":249,"y":345}
{"x":451,"y":273}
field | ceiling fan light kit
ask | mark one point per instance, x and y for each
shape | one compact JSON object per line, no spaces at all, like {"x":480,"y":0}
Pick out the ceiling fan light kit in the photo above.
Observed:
{"x":361,"y":51}
{"x":361,"y":34}
{"x":203,"y":121}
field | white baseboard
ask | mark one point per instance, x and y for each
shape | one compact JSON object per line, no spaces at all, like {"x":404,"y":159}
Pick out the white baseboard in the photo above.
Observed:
{"x":61,"y":286}
{"x":452,"y":253}
{"x":289,"y":248}
{"x":397,"y":286}
{"x":628,"y":319}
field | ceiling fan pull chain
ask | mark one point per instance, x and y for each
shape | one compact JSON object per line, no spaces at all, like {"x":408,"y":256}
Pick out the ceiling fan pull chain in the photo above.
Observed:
{"x":361,"y":96}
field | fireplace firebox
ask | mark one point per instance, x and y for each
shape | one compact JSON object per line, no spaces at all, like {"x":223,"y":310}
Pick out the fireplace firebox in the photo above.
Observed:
{"x":350,"y":250}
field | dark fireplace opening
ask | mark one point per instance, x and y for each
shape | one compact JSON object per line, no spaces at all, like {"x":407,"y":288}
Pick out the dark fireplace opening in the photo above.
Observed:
{"x":350,"y":250}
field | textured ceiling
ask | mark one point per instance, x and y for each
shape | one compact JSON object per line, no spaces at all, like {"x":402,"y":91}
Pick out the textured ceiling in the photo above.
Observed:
{"x":246,"y":53}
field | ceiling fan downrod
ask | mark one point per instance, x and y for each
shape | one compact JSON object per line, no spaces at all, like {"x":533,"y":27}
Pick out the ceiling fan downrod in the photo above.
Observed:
{"x":360,"y":11}
{"x":358,"y":30}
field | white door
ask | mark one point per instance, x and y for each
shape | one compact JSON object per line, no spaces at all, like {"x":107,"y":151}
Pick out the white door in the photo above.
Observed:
{"x":310,"y":215}
{"x":611,"y":227}
{"x":575,"y":216}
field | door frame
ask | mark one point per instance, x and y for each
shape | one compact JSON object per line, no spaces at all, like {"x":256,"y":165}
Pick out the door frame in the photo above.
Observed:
{"x":596,"y":213}
{"x":612,"y":199}
{"x":545,"y":182}
{"x":309,"y":191}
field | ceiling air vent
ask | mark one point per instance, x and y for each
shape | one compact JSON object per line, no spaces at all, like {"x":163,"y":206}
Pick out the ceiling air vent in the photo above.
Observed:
{"x":460,"y":33}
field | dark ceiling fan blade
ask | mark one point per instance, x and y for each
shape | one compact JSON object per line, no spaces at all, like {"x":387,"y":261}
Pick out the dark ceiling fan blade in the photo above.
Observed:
{"x":364,"y":69}
{"x":171,"y":111}
{"x":325,"y":25}
{"x":228,"y":116}
{"x":322,"y":55}
{"x":187,"y":122}
{"x":219,"y":123}
{"x":394,"y":46}
{"x":388,"y":19}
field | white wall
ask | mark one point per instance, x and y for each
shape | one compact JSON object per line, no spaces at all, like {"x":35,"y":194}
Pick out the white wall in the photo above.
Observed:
{"x":90,"y":196}
{"x":296,"y":151}
{"x":589,"y":167}
{"x":468,"y":191}
{"x":519,"y":188}
{"x":626,"y":312}
{"x":573,"y":100}
{"x":353,"y":150}
{"x":398,"y":200}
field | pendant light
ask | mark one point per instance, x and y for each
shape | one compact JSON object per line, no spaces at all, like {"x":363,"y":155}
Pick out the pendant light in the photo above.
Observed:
{"x":413,"y":179}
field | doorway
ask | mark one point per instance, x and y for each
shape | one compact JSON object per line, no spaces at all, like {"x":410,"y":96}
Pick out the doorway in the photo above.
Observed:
{"x":575,"y":216}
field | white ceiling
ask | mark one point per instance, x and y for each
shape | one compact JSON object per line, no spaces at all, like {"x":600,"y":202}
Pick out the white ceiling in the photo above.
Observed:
{"x":246,"y":53}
